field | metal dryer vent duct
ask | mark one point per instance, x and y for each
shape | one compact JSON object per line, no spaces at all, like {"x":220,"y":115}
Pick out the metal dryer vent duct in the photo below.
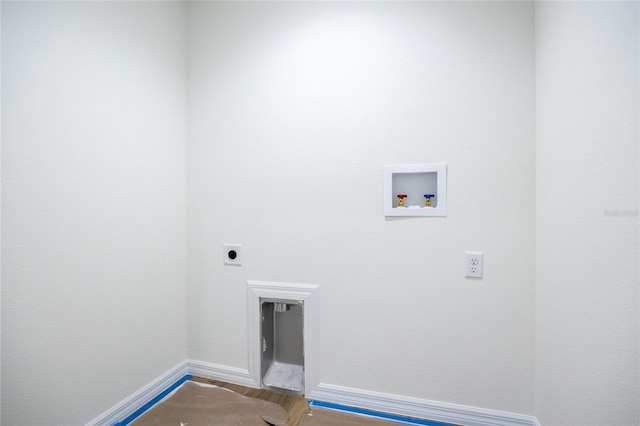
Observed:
{"x":281,"y":307}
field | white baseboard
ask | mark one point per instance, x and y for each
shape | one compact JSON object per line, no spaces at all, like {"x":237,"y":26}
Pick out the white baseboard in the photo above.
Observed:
{"x":418,"y":408}
{"x":237,"y":376}
{"x":333,"y":394}
{"x":143,"y":396}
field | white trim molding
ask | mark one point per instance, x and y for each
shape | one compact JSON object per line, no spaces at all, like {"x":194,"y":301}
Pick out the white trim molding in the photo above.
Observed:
{"x":334,"y":394}
{"x":234,"y":375}
{"x":138,"y":399}
{"x":418,"y":408}
{"x":306,"y":293}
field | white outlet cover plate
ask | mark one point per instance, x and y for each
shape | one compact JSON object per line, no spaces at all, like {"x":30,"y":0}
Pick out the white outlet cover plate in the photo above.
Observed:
{"x":227,"y":254}
{"x":473,"y":264}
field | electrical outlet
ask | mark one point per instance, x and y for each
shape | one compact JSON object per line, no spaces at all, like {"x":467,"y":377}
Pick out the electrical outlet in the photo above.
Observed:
{"x":473,"y":264}
{"x":232,"y":254}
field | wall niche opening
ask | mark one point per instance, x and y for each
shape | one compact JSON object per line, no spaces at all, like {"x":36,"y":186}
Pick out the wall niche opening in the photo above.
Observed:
{"x":415,"y":189}
{"x":282,"y":332}
{"x":283,"y":336}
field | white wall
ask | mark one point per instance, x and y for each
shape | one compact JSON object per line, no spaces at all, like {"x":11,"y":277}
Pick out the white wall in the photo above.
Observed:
{"x":93,"y":188}
{"x":294,"y":108}
{"x":587,"y":169}
{"x":0,"y":215}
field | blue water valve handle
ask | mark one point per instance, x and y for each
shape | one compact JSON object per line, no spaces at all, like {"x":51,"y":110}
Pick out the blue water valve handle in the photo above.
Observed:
{"x":427,"y":199}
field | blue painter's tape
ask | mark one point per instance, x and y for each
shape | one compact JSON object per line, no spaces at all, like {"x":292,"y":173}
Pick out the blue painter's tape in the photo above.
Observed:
{"x":153,"y":402}
{"x":375,"y":414}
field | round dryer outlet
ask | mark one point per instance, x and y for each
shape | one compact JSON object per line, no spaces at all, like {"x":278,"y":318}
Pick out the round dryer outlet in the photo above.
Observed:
{"x":232,"y":254}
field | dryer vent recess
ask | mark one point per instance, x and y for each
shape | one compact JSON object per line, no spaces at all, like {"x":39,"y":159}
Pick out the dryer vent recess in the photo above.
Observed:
{"x":232,"y":254}
{"x":282,"y":330}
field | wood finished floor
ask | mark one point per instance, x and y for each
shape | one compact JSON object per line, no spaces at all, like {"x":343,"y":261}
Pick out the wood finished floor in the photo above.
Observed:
{"x":297,"y":407}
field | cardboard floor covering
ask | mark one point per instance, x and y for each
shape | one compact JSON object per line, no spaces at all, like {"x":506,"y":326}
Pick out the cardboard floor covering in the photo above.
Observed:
{"x":198,"y":404}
